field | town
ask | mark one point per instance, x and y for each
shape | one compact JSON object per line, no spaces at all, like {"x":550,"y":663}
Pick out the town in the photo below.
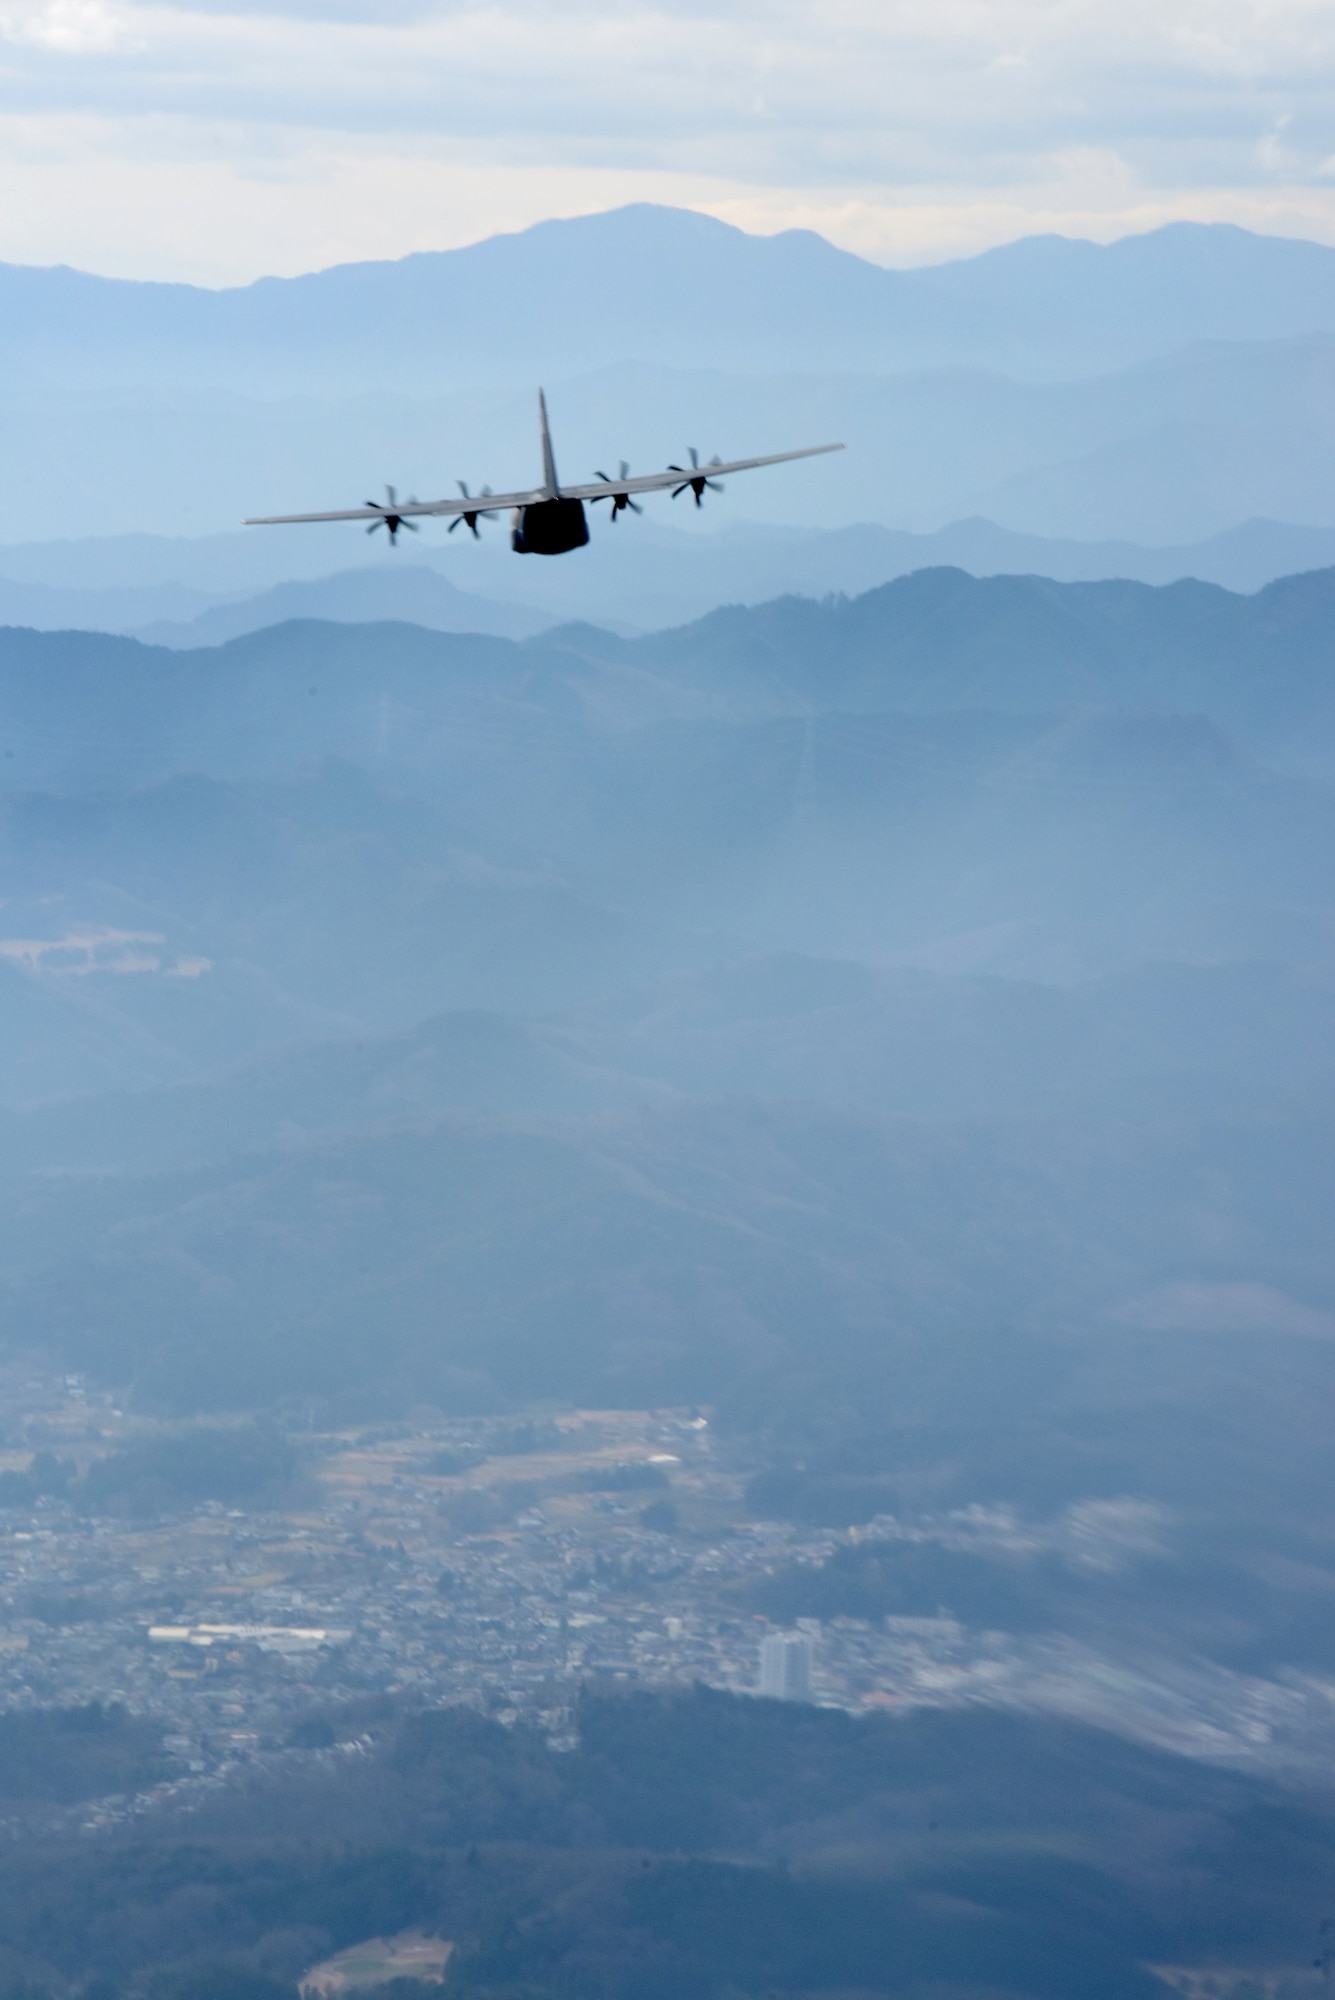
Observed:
{"x":506,"y":1563}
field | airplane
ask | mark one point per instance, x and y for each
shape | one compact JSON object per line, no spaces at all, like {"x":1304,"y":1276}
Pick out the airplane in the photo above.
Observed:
{"x":550,"y":520}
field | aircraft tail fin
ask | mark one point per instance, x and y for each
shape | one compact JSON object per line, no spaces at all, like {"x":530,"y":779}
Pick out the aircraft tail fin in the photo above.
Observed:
{"x":549,"y":478}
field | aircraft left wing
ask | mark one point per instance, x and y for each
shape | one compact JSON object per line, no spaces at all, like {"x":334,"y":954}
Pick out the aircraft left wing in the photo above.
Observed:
{"x":682,"y":476}
{"x":678,"y":477}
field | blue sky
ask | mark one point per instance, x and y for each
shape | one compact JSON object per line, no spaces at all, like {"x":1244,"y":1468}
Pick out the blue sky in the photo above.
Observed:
{"x":213,"y":140}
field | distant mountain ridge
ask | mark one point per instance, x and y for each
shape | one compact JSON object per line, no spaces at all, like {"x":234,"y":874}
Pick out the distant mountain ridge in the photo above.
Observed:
{"x":651,"y":284}
{"x":657,"y":578}
{"x":415,"y":594}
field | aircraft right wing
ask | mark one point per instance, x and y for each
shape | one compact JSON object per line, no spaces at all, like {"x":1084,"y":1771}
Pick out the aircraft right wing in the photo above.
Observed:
{"x":403,"y":510}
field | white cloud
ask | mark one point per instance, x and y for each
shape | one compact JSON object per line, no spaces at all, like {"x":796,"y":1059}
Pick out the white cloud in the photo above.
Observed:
{"x":64,"y":26}
{"x":315,"y":128}
{"x":93,"y":949}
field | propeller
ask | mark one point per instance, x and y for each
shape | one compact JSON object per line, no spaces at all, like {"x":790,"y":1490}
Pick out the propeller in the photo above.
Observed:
{"x":618,"y":500}
{"x":390,"y":516}
{"x":471,"y":516}
{"x":697,"y":478}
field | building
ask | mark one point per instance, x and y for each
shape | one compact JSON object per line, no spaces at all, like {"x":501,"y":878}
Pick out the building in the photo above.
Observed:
{"x":785,"y":1666}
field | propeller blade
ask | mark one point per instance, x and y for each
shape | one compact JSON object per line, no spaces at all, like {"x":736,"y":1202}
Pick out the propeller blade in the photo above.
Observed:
{"x":619,"y":501}
{"x":470,"y":517}
{"x":695,"y":480}
{"x":389,"y":518}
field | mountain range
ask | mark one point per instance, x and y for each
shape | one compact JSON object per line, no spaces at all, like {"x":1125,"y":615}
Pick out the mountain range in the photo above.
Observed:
{"x":949,"y":958}
{"x":650,"y":284}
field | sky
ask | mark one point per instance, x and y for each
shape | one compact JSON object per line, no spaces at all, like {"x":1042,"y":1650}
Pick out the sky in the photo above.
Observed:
{"x":214,"y":141}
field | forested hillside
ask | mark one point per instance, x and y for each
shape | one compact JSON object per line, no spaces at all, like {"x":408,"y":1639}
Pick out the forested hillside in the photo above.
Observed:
{"x":696,"y":1845}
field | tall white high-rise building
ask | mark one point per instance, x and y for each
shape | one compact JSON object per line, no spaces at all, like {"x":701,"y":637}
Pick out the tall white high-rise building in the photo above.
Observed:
{"x":785,"y":1666}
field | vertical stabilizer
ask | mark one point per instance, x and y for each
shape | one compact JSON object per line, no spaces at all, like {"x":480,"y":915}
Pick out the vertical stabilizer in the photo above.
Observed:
{"x":549,"y":479}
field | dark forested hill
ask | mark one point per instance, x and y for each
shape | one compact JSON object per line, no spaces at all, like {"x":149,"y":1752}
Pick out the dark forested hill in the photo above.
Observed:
{"x":696,"y":1845}
{"x":81,"y":709}
{"x":1263,"y":665}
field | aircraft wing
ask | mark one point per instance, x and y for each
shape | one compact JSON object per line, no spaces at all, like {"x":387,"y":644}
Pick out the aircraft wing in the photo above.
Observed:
{"x":404,"y":510}
{"x":597,"y":489}
{"x":682,"y":475}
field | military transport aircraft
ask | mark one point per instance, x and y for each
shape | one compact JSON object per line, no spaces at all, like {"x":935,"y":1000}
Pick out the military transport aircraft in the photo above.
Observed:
{"x":550,"y":520}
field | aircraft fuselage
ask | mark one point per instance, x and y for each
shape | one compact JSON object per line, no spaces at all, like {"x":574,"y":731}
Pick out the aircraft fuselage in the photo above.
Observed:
{"x":548,"y":528}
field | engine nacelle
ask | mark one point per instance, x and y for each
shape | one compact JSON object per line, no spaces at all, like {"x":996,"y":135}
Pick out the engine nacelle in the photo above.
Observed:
{"x":549,"y":528}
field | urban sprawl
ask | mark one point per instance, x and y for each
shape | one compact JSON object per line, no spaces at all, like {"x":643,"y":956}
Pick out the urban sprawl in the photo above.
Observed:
{"x":506,"y":1563}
